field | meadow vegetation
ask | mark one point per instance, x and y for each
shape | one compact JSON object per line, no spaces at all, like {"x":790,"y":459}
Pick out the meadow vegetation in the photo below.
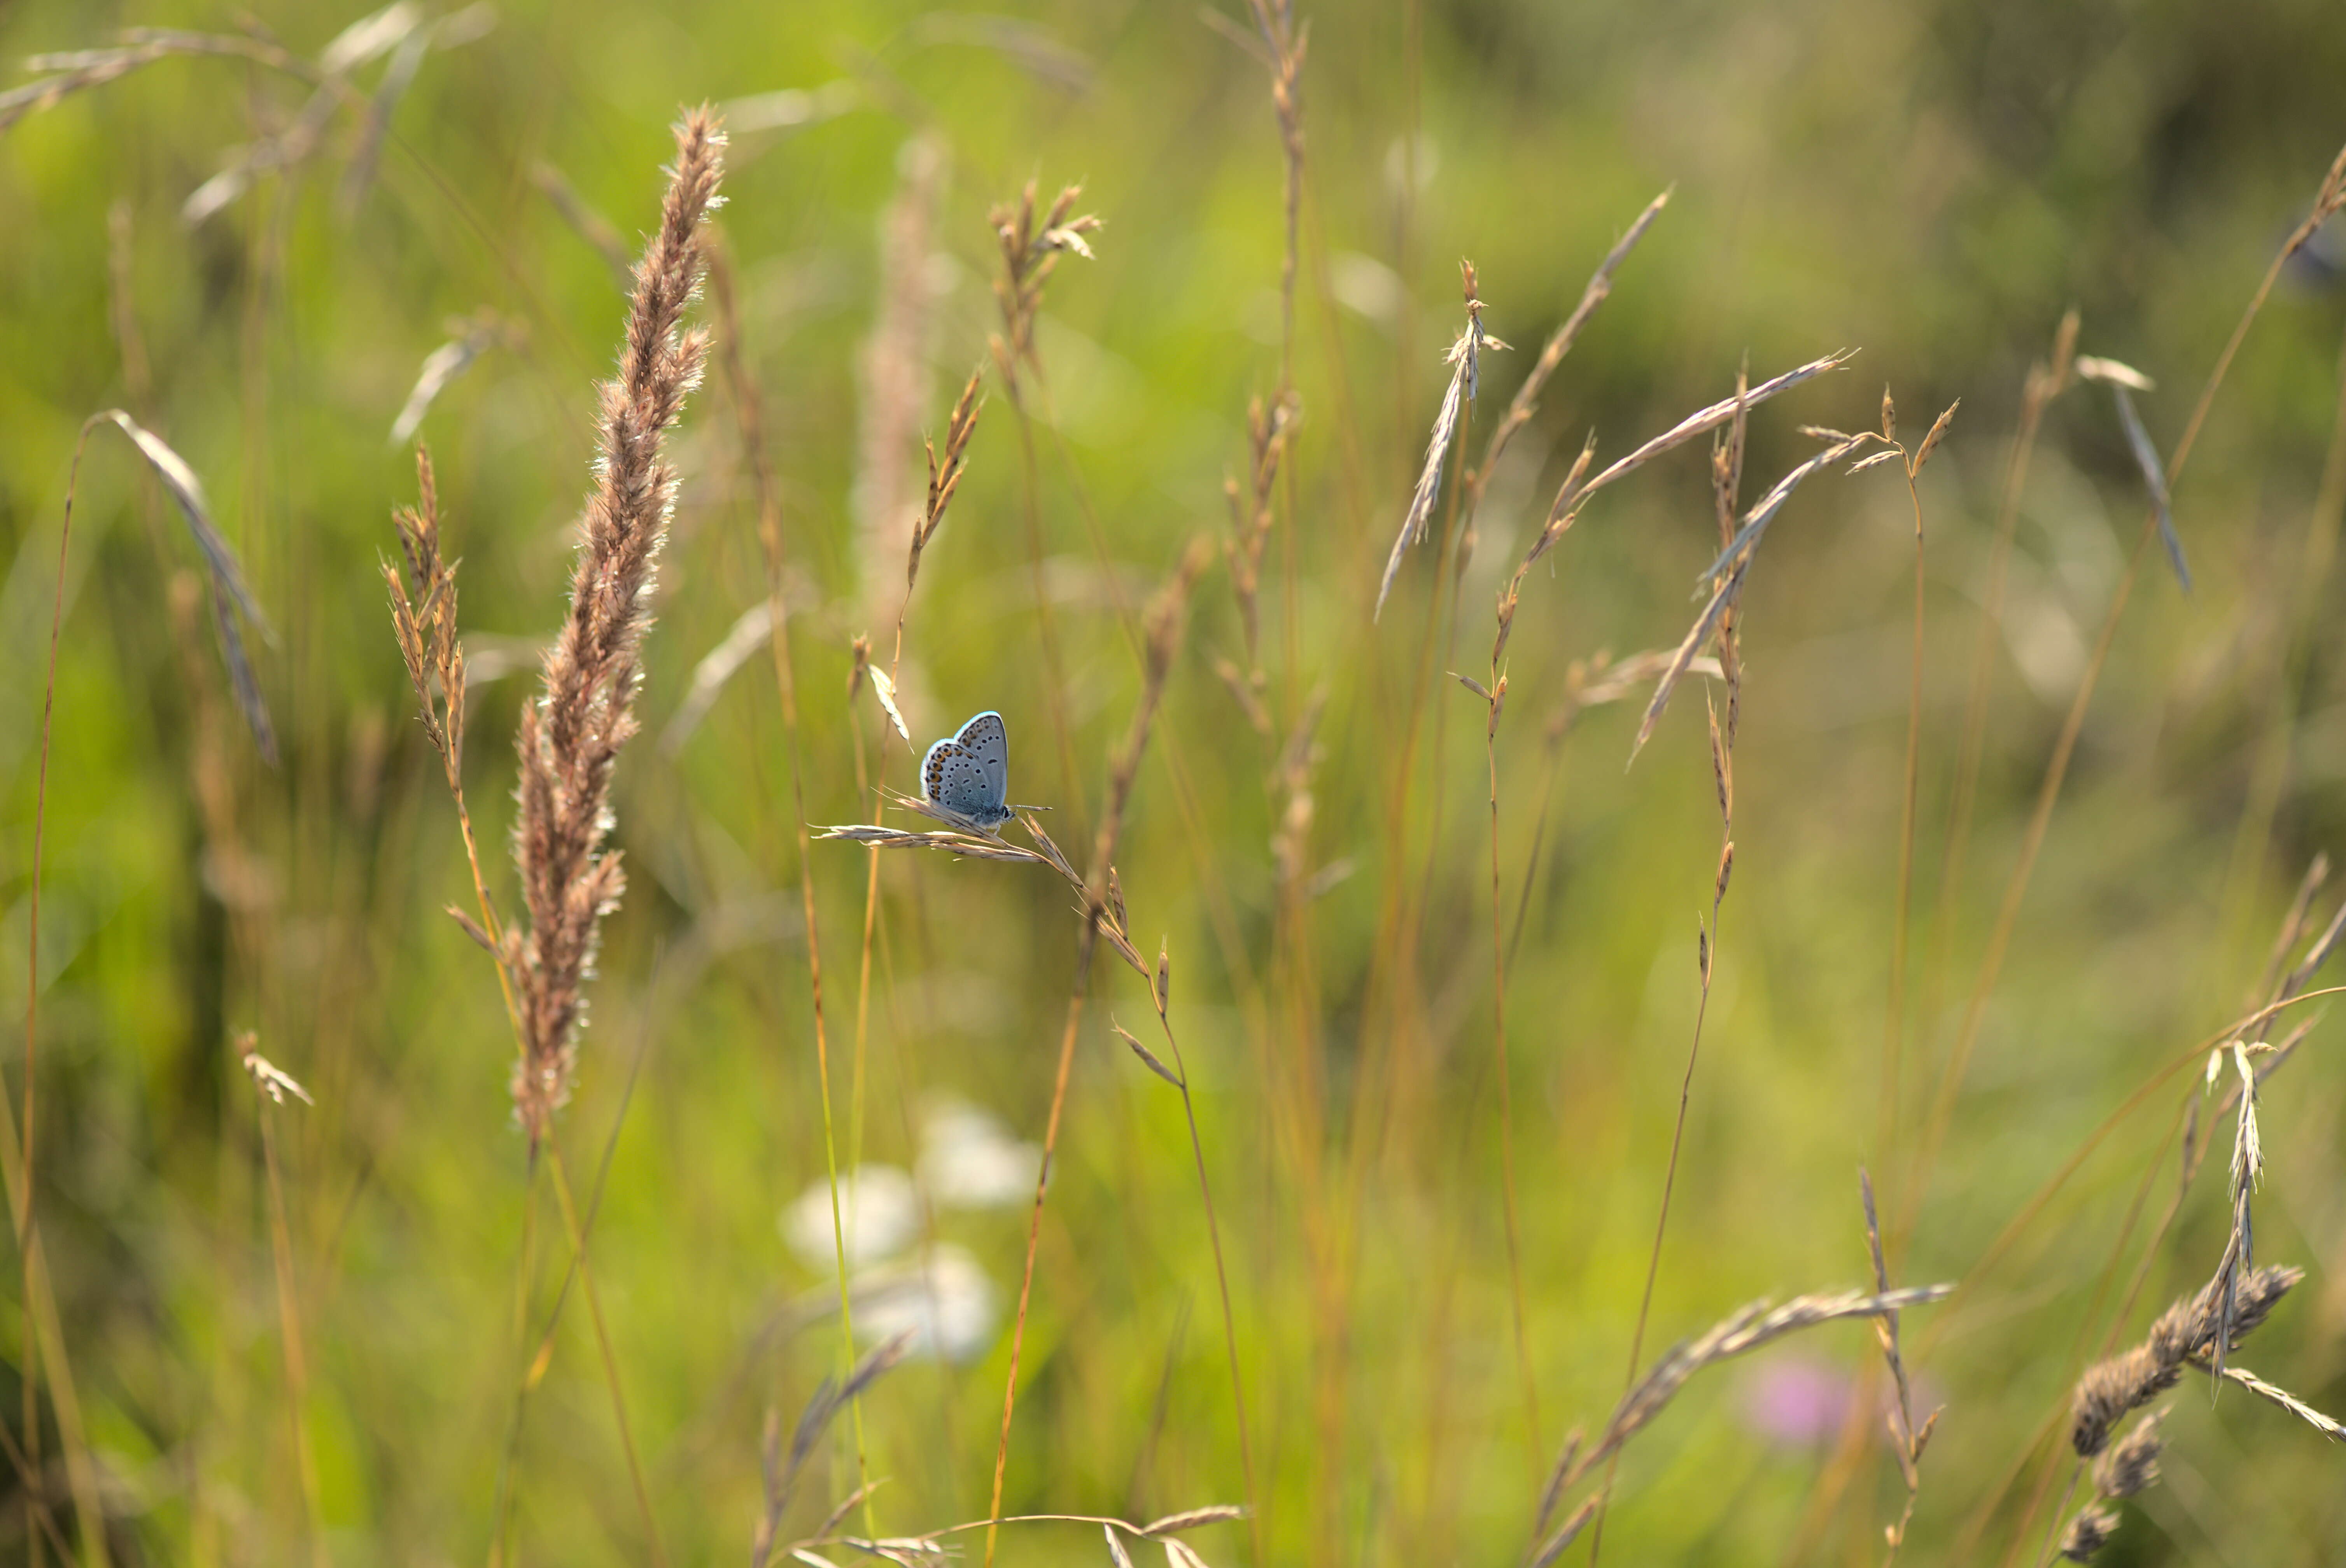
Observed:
{"x":1674,"y":748}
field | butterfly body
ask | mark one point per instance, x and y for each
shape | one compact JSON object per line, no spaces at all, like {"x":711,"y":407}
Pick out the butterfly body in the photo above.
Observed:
{"x":966,"y":776}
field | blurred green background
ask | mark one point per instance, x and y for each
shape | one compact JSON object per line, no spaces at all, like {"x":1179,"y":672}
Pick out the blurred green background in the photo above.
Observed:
{"x":1933,"y":184}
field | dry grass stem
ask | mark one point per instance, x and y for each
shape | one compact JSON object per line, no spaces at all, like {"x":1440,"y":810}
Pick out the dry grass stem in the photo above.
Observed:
{"x":1565,"y":1534}
{"x":1464,"y":359}
{"x":944,"y":478}
{"x":1031,"y":245}
{"x":2323,"y":1424}
{"x":570,"y":739}
{"x":892,"y":368}
{"x":230,"y":599}
{"x":782,"y":1468}
{"x":2329,"y":199}
{"x":1727,"y":480}
{"x":1574,"y":493}
{"x":1526,"y":403}
{"x":954,"y":842}
{"x":1907,"y":1439}
{"x":469,"y":341}
{"x":1743,"y":1332}
{"x":1103,"y":912}
{"x":1251,"y":516}
{"x":1285,"y":45}
{"x":2123,"y":382}
{"x":1727,"y":574}
{"x":1894,"y":1012}
{"x":78,"y":70}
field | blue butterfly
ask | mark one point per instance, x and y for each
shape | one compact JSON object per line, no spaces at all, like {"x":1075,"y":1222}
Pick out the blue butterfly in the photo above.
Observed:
{"x":966,"y":776}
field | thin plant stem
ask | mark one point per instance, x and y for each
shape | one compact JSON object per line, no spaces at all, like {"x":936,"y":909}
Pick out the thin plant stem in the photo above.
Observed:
{"x":1661,"y":1224}
{"x":524,"y":1274}
{"x":2057,"y":769}
{"x":1222,"y":1283}
{"x":2045,"y":382}
{"x":1506,"y":1095}
{"x":1076,"y":999}
{"x":21,"y":1208}
{"x":44,"y":1343}
{"x":1894,"y":1018}
{"x":2053,"y":1525}
{"x":2316,"y":554}
{"x":747,"y":408}
{"x":289,"y":1320}
{"x":1726,"y":482}
{"x":603,"y":1342}
{"x":1045,"y":621}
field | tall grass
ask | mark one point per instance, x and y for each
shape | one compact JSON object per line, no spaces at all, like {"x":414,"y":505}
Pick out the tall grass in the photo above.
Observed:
{"x":1443,"y":1137}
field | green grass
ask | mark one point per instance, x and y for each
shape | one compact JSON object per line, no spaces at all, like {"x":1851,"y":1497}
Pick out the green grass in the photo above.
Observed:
{"x":1933,"y":188}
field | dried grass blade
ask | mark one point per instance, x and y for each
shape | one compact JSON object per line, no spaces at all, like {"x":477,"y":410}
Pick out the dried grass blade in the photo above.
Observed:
{"x":1429,"y":478}
{"x":370,"y":37}
{"x":440,"y":366}
{"x":748,"y":633}
{"x":187,"y":490}
{"x":2153,"y":479}
{"x":1625,"y":676}
{"x":2316,"y":955}
{"x":1740,"y":1333}
{"x":231,"y":597}
{"x":1191,"y":1518}
{"x":241,"y":679}
{"x":844,"y":1507}
{"x":1764,"y":512}
{"x":1696,"y":634}
{"x":449,"y":32}
{"x":1938,"y":432}
{"x":884,"y":688}
{"x":1600,"y":287}
{"x":1149,"y":1060}
{"x":1696,"y":424}
{"x":2328,"y":1427}
{"x":953,"y":842}
{"x":1565,"y":1534}
{"x":1553,"y":1493}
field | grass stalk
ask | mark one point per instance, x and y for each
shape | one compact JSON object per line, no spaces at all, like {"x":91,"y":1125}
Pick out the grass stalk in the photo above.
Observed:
{"x":1080,"y":991}
{"x":2045,"y":382}
{"x":1104,"y":913}
{"x":578,"y":1235}
{"x":747,"y":409}
{"x":2328,"y":200}
{"x":288,"y":1319}
{"x":1727,"y":483}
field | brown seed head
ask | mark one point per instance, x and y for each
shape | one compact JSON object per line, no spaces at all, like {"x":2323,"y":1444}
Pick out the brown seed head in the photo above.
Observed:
{"x":570,"y":737}
{"x":2089,"y":1533}
{"x":2132,"y":1464}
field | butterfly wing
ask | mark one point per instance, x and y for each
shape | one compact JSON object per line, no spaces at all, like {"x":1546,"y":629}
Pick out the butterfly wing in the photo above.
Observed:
{"x":987,"y":744}
{"x":966,"y":776}
{"x":933,"y":769}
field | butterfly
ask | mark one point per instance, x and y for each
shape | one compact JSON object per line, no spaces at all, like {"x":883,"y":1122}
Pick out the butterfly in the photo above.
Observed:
{"x":965,"y":778}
